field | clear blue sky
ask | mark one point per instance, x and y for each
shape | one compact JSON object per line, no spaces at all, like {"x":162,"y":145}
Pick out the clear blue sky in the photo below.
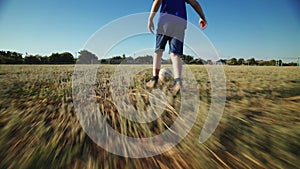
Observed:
{"x":263,"y":29}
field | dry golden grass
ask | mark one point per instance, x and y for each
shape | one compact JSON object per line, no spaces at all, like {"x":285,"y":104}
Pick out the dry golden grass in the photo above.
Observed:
{"x":259,"y":128}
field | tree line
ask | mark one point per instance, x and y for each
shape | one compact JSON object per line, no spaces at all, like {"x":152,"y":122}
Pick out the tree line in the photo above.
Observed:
{"x":86,"y":57}
{"x":8,"y":57}
{"x":252,"y":61}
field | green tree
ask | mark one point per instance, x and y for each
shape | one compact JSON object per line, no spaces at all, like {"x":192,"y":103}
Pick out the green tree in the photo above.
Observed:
{"x":54,"y":58}
{"x":10,"y":57}
{"x":272,"y":63}
{"x":233,"y":61}
{"x":187,"y":58}
{"x":197,"y":61}
{"x":32,"y":60}
{"x":64,"y":58}
{"x":116,"y":60}
{"x":280,"y":62}
{"x":252,"y":61}
{"x":44,"y":59}
{"x":86,"y":57}
{"x":240,"y":61}
{"x":67,"y":58}
{"x":17,"y":57}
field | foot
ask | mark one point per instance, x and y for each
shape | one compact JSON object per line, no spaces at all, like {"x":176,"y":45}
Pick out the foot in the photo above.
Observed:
{"x":176,"y":88}
{"x":152,"y":83}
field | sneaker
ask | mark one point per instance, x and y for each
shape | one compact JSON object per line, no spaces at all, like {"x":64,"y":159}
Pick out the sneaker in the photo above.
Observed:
{"x":152,"y":83}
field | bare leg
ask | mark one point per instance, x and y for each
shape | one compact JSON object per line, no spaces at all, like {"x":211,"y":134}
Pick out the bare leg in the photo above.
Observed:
{"x":157,"y":62}
{"x":177,"y":65}
{"x":177,"y":68}
{"x":156,"y":67}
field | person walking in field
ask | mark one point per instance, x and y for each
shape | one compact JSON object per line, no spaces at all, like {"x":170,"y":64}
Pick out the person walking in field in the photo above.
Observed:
{"x":171,"y":28}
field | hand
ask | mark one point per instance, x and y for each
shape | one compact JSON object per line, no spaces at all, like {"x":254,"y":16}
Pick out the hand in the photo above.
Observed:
{"x":150,"y":25}
{"x":202,"y":23}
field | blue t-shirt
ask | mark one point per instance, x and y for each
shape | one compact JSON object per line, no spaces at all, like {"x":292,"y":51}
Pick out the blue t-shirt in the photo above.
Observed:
{"x":173,"y":12}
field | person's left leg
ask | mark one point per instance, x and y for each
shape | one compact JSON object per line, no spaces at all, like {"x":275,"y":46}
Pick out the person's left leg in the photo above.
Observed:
{"x":157,"y":62}
{"x":177,"y":69}
{"x":177,"y":66}
{"x":176,"y":51}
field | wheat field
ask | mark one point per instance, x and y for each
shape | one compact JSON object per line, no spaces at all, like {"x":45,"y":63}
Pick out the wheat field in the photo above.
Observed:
{"x":259,"y":127}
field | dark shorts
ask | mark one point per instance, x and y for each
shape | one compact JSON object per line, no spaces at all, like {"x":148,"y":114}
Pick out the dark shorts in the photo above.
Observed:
{"x":172,"y":33}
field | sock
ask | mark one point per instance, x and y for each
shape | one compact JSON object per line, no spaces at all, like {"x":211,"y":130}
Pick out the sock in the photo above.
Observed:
{"x":156,"y":72}
{"x":155,"y":78}
{"x":178,"y":80}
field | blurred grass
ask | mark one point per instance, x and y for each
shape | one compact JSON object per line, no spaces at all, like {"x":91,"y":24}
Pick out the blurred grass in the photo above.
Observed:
{"x":259,"y":128}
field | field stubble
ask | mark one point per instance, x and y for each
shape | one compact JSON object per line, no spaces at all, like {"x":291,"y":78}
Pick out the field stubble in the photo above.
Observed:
{"x":259,"y":128}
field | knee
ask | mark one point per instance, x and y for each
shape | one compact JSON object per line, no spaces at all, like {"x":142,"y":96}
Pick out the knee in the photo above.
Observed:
{"x":175,"y":55}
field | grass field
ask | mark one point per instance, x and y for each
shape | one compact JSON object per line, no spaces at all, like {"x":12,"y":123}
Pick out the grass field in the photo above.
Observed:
{"x":260,"y":127}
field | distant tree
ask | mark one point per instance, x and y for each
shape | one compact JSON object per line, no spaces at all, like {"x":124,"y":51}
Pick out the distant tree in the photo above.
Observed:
{"x":2,"y":53}
{"x":143,"y":59}
{"x":252,"y":61}
{"x":263,"y":63}
{"x":240,"y":61}
{"x":187,"y":58}
{"x":223,"y":61}
{"x":292,"y":64}
{"x":128,"y":60}
{"x":10,"y":57}
{"x":44,"y":59}
{"x":32,"y":59}
{"x":67,"y":58}
{"x":233,"y":61}
{"x":280,"y":62}
{"x":86,"y":57}
{"x":3,"y":57}
{"x":63,"y":58}
{"x":54,"y":58}
{"x":18,"y":59}
{"x":116,"y":60}
{"x":272,"y":63}
{"x":103,"y":61}
{"x":197,"y":61}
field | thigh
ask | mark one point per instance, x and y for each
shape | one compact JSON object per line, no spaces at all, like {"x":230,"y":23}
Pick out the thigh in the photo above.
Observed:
{"x":177,"y":39}
{"x":161,"y":41}
{"x":176,"y":46}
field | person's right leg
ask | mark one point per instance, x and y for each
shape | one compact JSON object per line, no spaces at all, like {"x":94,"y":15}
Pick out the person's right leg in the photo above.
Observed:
{"x":156,"y":67}
{"x":161,"y":41}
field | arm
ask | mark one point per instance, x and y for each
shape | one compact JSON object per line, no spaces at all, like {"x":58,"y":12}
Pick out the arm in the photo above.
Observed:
{"x":198,"y":9}
{"x":154,"y":9}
